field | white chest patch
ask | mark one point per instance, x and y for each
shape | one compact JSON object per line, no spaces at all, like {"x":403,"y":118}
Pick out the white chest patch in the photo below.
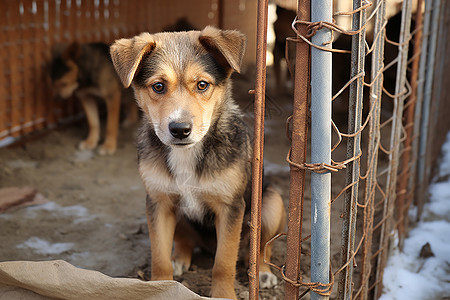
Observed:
{"x":182,"y":163}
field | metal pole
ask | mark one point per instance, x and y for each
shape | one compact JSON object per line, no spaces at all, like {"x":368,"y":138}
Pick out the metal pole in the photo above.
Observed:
{"x":423,"y":174}
{"x":413,"y":180}
{"x":353,"y":150}
{"x":321,"y":93}
{"x":376,"y":94}
{"x":298,"y":156}
{"x":406,"y":161}
{"x":258,"y":149}
{"x":400,"y":95}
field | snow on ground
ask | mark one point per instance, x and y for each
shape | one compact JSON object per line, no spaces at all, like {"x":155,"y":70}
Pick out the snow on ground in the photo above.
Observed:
{"x":42,"y":246}
{"x":409,"y":276}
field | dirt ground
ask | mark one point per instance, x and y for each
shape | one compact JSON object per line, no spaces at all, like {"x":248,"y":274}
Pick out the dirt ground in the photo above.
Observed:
{"x":94,"y":217}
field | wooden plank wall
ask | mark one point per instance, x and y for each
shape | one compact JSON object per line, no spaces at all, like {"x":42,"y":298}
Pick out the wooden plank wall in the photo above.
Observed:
{"x":29,"y":29}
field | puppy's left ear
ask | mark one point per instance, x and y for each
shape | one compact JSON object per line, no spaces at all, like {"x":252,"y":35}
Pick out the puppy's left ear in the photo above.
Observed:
{"x":127,"y":54}
{"x":72,"y":51}
{"x":227,"y":46}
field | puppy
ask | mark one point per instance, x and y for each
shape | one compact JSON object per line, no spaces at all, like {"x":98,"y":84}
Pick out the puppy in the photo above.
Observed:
{"x":194,"y":150}
{"x":86,"y":72}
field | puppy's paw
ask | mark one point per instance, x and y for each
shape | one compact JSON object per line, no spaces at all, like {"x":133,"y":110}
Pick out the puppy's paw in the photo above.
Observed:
{"x":267,"y":280}
{"x":87,"y":145}
{"x":106,"y":149}
{"x":179,"y":267}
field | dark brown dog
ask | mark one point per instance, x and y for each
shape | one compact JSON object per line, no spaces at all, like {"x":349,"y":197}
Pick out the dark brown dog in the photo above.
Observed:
{"x":86,"y":72}
{"x":282,"y":29}
{"x":194,"y":150}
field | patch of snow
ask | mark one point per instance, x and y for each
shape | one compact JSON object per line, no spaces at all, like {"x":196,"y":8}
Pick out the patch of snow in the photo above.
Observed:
{"x":22,"y":164}
{"x":81,"y":213}
{"x":83,"y":155}
{"x":43,"y":247}
{"x":407,"y":275}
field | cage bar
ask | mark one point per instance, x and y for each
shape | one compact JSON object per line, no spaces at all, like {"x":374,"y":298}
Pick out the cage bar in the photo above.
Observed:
{"x":375,"y":95}
{"x":321,"y":91}
{"x":423,"y":172}
{"x":258,"y":150}
{"x":298,"y":156}
{"x":404,"y":194}
{"x":395,"y":141}
{"x":353,"y":151}
{"x":414,"y":180}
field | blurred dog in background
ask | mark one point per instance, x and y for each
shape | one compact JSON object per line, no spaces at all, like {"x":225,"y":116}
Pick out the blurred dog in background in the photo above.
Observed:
{"x":86,"y":72}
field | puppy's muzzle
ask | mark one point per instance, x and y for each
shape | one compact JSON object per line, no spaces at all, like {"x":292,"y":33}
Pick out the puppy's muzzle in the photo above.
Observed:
{"x":180,"y":130}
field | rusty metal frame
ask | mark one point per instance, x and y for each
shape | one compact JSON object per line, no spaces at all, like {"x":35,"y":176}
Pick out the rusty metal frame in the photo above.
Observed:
{"x":375,"y":94}
{"x":423,"y":173}
{"x":405,"y":194}
{"x":298,"y":156}
{"x":258,"y":150}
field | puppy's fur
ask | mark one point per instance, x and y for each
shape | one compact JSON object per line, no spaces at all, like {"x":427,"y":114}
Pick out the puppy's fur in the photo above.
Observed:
{"x":194,"y":150}
{"x":86,"y":72}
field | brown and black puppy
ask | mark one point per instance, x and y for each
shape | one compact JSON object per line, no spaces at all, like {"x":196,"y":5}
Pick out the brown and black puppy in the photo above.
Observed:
{"x":86,"y":72}
{"x":194,"y":150}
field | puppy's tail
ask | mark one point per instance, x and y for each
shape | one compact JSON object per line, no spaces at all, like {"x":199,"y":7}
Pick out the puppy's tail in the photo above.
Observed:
{"x":273,"y":215}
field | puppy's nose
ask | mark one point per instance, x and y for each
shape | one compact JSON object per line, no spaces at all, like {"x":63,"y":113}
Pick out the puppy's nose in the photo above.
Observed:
{"x":180,"y":130}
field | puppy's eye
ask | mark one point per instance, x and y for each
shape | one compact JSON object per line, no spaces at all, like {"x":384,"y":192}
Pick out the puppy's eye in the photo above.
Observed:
{"x":159,"y":88}
{"x":202,"y":85}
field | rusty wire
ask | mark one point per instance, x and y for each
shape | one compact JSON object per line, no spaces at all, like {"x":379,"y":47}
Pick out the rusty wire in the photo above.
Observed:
{"x":317,"y":287}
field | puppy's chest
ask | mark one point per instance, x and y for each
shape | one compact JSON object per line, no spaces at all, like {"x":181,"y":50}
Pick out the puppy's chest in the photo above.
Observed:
{"x":179,"y":178}
{"x":186,"y":184}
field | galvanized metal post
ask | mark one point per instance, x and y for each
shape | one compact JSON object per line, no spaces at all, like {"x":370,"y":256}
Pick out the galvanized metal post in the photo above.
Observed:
{"x":321,"y":93}
{"x":423,"y":173}
{"x":258,"y":147}
{"x":353,"y":150}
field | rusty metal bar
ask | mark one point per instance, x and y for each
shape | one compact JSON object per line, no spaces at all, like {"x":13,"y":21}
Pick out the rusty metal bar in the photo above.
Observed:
{"x":353,"y":150}
{"x":298,"y":156}
{"x":258,"y":149}
{"x":413,"y":181}
{"x":376,"y":93}
{"x":422,"y":170}
{"x":396,"y":130}
{"x":321,"y":93}
{"x":403,"y":207}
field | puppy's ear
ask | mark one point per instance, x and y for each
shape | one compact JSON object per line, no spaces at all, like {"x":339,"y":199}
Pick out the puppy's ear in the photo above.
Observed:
{"x":227,"y":46}
{"x":127,"y":54}
{"x":72,"y":51}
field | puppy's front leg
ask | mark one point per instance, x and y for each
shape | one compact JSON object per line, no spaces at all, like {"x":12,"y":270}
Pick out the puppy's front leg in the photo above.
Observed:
{"x":161,"y":221}
{"x":112,"y":124}
{"x":228,"y":221}
{"x":91,"y":110}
